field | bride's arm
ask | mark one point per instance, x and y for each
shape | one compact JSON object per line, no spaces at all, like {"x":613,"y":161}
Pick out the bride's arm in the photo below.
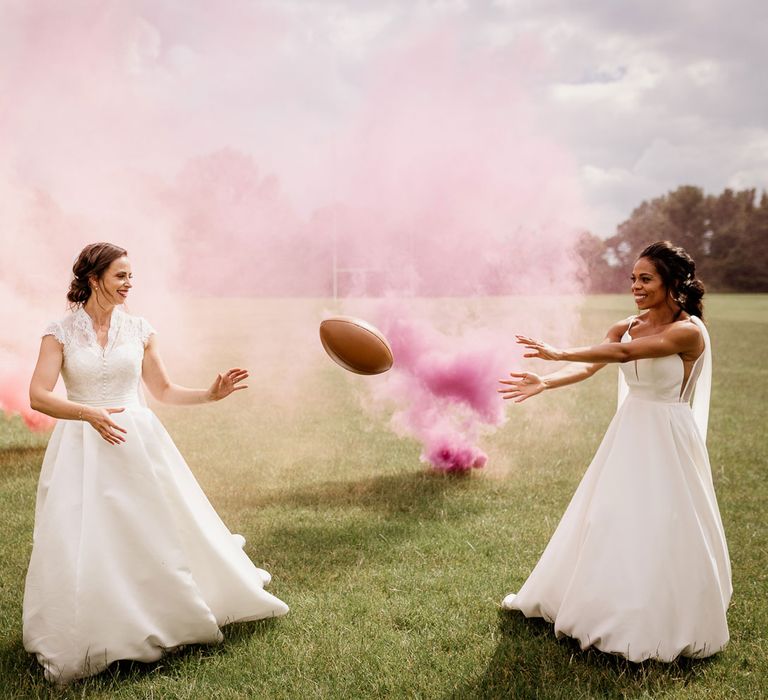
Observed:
{"x":678,"y":339}
{"x":44,"y":378}
{"x":160,"y":386}
{"x":523,"y":385}
{"x":42,"y":398}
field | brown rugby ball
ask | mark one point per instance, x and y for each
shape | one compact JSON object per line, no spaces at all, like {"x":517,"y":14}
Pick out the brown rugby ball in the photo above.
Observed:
{"x":356,"y":345}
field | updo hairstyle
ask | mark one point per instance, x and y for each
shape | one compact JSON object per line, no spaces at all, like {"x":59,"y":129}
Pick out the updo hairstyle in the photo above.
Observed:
{"x":678,"y":272}
{"x":93,"y":261}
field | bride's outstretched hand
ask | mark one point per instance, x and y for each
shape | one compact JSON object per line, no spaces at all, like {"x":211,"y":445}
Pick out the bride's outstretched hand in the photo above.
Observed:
{"x":539,"y":350}
{"x":522,"y":386}
{"x":227,"y":383}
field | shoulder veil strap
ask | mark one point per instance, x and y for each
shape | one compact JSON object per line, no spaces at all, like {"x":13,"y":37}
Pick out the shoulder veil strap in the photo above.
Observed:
{"x":703,"y":389}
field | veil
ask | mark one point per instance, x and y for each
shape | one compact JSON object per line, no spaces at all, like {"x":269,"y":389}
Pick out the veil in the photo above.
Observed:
{"x":699,"y":384}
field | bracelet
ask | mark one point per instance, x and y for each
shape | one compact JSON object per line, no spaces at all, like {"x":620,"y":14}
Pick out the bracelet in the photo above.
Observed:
{"x":80,"y":414}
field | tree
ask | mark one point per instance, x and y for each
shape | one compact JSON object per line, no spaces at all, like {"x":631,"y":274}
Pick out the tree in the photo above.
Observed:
{"x":726,"y":234}
{"x":600,"y":274}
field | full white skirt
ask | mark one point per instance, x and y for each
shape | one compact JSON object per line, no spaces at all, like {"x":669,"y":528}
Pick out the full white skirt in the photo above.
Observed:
{"x":129,"y":558}
{"x":639,"y":565}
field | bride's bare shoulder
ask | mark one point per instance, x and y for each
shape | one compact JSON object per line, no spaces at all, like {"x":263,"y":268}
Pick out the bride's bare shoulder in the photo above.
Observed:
{"x":686,"y":326}
{"x":618,"y":329}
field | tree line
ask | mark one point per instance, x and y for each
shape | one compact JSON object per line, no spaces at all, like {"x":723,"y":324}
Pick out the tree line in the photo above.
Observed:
{"x":726,"y":234}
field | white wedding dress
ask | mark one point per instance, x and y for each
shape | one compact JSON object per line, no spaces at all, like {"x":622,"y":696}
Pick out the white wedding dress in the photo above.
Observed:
{"x":638,"y":564}
{"x":129,"y":557}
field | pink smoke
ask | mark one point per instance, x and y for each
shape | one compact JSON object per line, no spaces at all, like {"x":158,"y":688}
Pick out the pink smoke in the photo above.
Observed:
{"x":461,"y":195}
{"x":235,"y":154}
{"x":14,"y":401}
{"x":444,"y":390}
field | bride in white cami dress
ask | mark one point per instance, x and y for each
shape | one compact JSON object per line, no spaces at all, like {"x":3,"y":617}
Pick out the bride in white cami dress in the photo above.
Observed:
{"x":129,"y":557}
{"x":638,"y":565}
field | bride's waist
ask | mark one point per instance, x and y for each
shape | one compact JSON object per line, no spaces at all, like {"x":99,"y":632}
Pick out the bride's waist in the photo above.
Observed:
{"x":670,"y":400}
{"x":126,"y":401}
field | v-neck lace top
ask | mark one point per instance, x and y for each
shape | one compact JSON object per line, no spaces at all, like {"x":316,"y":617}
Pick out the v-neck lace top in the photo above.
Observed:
{"x":108,"y":376}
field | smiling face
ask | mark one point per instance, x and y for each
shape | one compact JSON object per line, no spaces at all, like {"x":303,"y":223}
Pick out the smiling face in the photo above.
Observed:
{"x":115,"y":283}
{"x":648,"y":288}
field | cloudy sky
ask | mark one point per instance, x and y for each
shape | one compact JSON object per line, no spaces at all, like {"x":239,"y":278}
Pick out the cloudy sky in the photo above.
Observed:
{"x":644,"y":95}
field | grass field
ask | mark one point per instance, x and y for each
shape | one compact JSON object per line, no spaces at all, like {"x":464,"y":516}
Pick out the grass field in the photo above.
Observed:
{"x":394,"y":574}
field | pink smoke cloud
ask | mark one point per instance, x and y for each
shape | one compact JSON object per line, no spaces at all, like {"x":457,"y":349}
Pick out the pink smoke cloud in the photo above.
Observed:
{"x":452,"y":190}
{"x":233,"y":156}
{"x":444,"y":390}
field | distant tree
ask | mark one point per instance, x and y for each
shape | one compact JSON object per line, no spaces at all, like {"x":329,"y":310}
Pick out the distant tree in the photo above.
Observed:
{"x":601,"y":274}
{"x":726,"y":234}
{"x":738,"y":253}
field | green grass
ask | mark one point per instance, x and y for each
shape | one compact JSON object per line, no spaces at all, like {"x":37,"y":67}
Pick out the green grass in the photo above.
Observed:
{"x":394,"y":574}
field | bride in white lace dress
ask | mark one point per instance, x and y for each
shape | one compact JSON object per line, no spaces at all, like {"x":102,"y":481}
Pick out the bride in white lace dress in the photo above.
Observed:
{"x":129,"y":557}
{"x":638,"y":565}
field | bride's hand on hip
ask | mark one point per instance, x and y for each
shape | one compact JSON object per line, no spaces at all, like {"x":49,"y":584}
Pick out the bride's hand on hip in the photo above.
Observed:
{"x":522,"y":386}
{"x":227,"y":383}
{"x":100,"y":421}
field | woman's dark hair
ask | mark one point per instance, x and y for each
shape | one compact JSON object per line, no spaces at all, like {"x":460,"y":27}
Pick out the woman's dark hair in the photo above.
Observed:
{"x":678,"y":272}
{"x":93,"y":261}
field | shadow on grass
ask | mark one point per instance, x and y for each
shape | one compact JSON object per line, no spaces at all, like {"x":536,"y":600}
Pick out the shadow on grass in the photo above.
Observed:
{"x":529,"y":662}
{"x":419,"y":493}
{"x":324,"y":529}
{"x":22,"y":676}
{"x":19,"y":672}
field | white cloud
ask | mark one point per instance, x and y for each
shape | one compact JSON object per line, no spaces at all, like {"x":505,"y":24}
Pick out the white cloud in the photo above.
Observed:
{"x":645,"y":96}
{"x":651,"y":96}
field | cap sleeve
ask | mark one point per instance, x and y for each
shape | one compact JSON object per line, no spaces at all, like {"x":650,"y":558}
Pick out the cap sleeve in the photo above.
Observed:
{"x":145,"y":330}
{"x":56,"y":330}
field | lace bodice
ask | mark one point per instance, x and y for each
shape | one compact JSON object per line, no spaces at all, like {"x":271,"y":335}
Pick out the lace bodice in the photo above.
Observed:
{"x":97,"y":376}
